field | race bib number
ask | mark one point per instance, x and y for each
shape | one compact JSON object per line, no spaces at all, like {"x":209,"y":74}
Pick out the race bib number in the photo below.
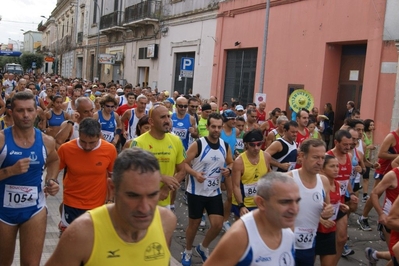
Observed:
{"x":335,"y":211}
{"x":16,"y":196}
{"x":180,"y":132}
{"x":239,"y":144}
{"x":343,"y":186}
{"x":211,"y":183}
{"x":250,"y":190}
{"x":108,"y":136}
{"x":304,"y":237}
{"x":292,"y":166}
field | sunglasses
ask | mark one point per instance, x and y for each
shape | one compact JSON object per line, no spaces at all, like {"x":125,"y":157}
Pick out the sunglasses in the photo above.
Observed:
{"x":182,"y":106}
{"x":257,"y":144}
{"x":194,"y":106}
{"x":110,"y":106}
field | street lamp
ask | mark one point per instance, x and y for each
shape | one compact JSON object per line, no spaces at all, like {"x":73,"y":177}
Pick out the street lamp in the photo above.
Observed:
{"x":56,"y":44}
{"x":33,"y":41}
{"x":98,"y":38}
{"x":16,"y":42}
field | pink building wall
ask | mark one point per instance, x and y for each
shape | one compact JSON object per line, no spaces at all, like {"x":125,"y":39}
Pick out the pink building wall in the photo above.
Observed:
{"x":304,"y":47}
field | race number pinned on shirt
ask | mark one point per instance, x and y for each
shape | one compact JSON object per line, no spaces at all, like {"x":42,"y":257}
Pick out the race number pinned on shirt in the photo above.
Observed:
{"x":343,"y":186}
{"x":180,"y":132}
{"x":250,"y":190}
{"x":335,"y":211}
{"x":16,"y":196}
{"x":211,"y":183}
{"x":304,"y":237}
{"x":108,"y":135}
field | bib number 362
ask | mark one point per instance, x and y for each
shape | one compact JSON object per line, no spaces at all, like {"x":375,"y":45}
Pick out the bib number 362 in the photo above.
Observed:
{"x":16,"y":196}
{"x":304,"y":237}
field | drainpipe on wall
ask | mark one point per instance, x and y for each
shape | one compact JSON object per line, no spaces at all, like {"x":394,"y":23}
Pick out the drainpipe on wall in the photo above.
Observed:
{"x":395,"y":113}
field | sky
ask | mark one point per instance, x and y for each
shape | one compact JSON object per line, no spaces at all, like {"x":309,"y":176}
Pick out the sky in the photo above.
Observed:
{"x":22,"y":14}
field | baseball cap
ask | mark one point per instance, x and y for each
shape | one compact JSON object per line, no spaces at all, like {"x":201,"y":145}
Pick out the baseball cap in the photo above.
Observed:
{"x":229,"y":114}
{"x":239,"y":108}
{"x":166,"y":94}
{"x":170,"y":100}
{"x":94,"y":86}
{"x":88,"y":91}
{"x":119,"y":90}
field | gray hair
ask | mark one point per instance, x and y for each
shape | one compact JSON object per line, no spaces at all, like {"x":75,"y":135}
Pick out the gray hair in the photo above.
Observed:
{"x":265,"y":188}
{"x":281,"y":119}
{"x":79,"y":100}
{"x":141,"y":96}
{"x":134,"y":159}
{"x":90,"y":127}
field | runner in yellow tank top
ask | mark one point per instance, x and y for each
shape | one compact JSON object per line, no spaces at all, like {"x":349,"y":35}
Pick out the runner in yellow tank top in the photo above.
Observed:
{"x":133,"y":231}
{"x":248,"y":168}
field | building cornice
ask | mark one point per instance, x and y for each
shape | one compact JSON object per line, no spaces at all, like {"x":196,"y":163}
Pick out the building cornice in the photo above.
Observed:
{"x":256,"y":7}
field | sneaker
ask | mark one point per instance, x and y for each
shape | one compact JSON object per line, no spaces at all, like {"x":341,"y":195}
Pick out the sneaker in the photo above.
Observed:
{"x":380,"y":230}
{"x":203,"y":221}
{"x":186,"y":259}
{"x":368,"y":252}
{"x":61,"y":227}
{"x":347,"y":251}
{"x":364,"y":224}
{"x":203,"y":254}
{"x":226,"y":226}
{"x":365,"y":198}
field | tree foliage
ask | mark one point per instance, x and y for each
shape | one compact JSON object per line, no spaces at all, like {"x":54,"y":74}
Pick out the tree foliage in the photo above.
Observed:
{"x":28,"y":58}
{"x":9,"y":59}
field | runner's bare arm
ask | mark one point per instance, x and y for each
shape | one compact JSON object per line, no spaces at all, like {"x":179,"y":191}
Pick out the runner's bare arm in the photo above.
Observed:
{"x":231,"y":246}
{"x":169,"y":220}
{"x":52,"y":164}
{"x":393,"y":217}
{"x":388,"y":142}
{"x":20,"y":167}
{"x":75,"y":245}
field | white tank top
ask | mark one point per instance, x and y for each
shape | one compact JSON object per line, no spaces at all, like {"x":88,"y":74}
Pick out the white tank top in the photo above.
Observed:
{"x":258,"y":253}
{"x":69,"y":109}
{"x":310,"y":208}
{"x":209,"y":161}
{"x":75,"y":131}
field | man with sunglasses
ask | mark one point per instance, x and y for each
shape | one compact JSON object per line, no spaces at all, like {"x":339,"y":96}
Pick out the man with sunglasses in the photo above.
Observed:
{"x":205,"y":162}
{"x":183,"y":124}
{"x":248,"y":168}
{"x":284,"y":150}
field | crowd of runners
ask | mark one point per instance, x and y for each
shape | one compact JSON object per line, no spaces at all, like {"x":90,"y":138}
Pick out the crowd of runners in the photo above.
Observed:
{"x":125,"y":151}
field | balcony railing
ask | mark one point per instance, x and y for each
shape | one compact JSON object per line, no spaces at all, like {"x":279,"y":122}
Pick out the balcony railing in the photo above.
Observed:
{"x":150,"y":9}
{"x":111,"y":20}
{"x":80,"y":37}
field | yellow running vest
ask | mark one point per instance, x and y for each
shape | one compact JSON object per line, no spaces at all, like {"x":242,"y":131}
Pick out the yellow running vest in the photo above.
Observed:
{"x":250,"y":178}
{"x":109,"y":249}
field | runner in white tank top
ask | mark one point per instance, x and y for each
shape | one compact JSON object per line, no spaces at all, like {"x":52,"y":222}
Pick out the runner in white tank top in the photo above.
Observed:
{"x":263,"y":236}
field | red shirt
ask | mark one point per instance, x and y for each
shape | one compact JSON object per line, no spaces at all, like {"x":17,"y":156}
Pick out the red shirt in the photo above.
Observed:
{"x":261,"y":116}
{"x":386,"y":164}
{"x":121,"y":110}
{"x":335,"y":200}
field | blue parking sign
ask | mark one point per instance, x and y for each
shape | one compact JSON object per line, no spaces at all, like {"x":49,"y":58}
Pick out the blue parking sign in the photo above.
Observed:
{"x":187,"y":67}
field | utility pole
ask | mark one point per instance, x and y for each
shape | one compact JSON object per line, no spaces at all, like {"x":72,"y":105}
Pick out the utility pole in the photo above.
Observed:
{"x":263,"y":67}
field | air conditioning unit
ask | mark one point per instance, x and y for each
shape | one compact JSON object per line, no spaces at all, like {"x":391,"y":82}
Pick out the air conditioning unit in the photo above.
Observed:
{"x":119,"y":56}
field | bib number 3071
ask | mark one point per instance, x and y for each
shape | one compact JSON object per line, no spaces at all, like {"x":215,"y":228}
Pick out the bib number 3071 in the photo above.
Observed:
{"x":16,"y":196}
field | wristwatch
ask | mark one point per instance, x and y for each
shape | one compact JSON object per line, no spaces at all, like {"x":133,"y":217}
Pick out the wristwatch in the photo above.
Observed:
{"x":70,"y":122}
{"x":241,"y":205}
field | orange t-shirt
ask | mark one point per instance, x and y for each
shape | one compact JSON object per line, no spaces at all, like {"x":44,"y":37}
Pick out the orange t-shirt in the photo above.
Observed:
{"x":85,"y":183}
